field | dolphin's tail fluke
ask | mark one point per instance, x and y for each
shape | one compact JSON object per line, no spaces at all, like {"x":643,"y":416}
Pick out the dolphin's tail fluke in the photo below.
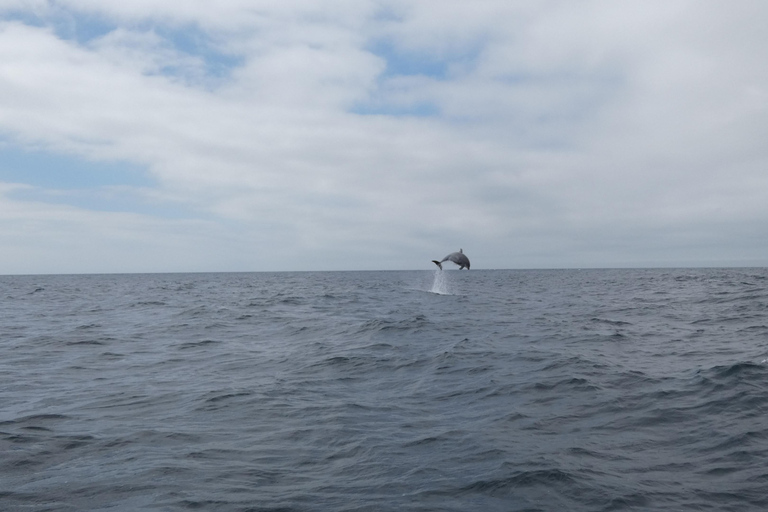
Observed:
{"x":438,"y":264}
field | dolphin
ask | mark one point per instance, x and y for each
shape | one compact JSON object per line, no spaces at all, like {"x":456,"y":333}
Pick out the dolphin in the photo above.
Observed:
{"x":458,"y":258}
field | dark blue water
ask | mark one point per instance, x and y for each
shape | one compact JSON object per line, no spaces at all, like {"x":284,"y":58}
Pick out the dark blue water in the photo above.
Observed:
{"x":481,"y":390}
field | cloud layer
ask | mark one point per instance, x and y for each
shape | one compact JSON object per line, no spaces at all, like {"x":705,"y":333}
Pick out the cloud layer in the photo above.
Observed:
{"x":354,"y":134}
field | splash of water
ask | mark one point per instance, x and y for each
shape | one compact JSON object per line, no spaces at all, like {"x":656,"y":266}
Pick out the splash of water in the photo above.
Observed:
{"x":440,"y":283}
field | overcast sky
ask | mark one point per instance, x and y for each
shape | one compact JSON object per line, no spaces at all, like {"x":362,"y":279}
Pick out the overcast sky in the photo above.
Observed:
{"x":243,"y":135}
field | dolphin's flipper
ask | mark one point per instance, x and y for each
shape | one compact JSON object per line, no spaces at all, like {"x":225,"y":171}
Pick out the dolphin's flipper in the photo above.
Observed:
{"x":438,"y":264}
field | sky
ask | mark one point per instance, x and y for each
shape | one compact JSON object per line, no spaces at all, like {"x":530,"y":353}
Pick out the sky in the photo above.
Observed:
{"x":248,"y":135}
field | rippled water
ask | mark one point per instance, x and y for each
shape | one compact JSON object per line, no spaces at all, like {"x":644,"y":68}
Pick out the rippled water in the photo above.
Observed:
{"x":479,"y":390}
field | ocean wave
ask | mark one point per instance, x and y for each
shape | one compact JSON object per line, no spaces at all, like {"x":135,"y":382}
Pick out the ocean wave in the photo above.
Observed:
{"x":526,"y":390}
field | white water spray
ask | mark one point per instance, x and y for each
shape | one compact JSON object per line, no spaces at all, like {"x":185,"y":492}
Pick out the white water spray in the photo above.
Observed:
{"x":440,"y":284}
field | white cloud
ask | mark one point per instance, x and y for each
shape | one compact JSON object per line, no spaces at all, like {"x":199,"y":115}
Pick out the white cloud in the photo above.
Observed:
{"x":564,"y":134}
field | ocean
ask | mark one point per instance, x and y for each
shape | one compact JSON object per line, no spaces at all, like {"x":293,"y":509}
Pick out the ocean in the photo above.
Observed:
{"x":487,"y":390}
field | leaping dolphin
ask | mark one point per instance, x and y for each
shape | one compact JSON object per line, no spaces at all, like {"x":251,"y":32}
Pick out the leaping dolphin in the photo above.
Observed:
{"x":457,"y":257}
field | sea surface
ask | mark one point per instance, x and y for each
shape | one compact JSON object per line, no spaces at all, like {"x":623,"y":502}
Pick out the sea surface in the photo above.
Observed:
{"x":481,"y":390}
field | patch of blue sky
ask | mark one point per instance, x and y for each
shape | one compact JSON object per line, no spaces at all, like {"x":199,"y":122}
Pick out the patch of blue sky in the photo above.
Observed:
{"x":191,"y":40}
{"x":28,"y":17}
{"x":66,"y":24}
{"x":379,"y":109}
{"x":404,"y":63}
{"x":401,"y":63}
{"x":54,"y":171}
{"x":84,"y":28}
{"x":95,"y":186}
